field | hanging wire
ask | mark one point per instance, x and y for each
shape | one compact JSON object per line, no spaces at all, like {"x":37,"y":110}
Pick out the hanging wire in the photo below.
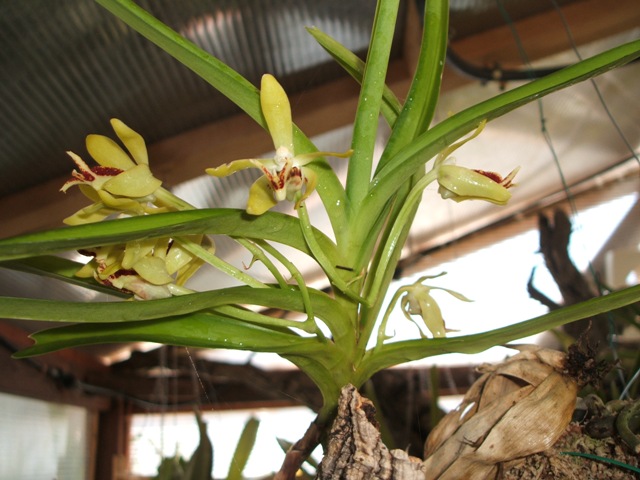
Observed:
{"x":628,"y":145}
{"x":574,"y":47}
{"x":556,"y":160}
{"x":197,"y":381}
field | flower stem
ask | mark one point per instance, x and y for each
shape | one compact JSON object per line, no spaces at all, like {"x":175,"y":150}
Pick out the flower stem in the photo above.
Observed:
{"x":167,"y":199}
{"x":218,"y":263}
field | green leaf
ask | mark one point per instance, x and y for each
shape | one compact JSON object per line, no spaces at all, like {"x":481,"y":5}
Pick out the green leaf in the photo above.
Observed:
{"x":272,"y":226}
{"x":203,"y":330}
{"x":422,"y":98}
{"x":59,"y":269}
{"x":201,"y":462}
{"x":410,"y":158}
{"x":325,"y":308}
{"x":243,"y":449}
{"x":122,"y":312}
{"x":405,"y":351}
{"x":365,"y":127}
{"x":355,"y":67}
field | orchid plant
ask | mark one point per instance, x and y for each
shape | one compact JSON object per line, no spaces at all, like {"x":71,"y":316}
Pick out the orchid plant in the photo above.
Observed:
{"x":144,"y":243}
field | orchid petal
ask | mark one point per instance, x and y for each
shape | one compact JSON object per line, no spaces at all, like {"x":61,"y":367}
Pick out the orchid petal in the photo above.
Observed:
{"x":93,"y":213}
{"x":432,"y":316}
{"x":260,"y":197}
{"x":136,"y":250}
{"x":235,"y":166}
{"x":107,"y":152}
{"x":135,"y":182}
{"x":132,"y":140}
{"x":277,"y":112}
{"x":117,"y":204}
{"x":153,"y":270}
{"x":306,"y":158}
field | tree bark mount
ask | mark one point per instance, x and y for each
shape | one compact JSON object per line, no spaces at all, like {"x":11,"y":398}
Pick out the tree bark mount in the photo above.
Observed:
{"x":355,"y":450}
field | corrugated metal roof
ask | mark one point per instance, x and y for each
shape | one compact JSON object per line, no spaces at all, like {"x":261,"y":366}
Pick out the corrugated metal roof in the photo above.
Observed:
{"x":68,"y":65}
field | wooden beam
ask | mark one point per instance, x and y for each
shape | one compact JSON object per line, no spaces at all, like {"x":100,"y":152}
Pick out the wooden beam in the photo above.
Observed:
{"x":49,"y":377}
{"x":544,"y":34}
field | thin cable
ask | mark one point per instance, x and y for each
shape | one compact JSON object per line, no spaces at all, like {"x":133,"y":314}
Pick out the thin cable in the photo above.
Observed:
{"x":628,"y":145}
{"x":548,"y":140}
{"x":574,"y":47}
{"x":195,"y":370}
{"x":543,"y":124}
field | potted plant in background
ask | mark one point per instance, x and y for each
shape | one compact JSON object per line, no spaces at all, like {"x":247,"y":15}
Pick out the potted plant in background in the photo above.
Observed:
{"x":144,"y":243}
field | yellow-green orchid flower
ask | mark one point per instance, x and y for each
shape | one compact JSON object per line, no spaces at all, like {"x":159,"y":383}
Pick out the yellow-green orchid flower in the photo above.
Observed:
{"x":121,"y":183}
{"x":285,"y":175}
{"x":417,"y":300}
{"x":461,"y":183}
{"x":145,"y":268}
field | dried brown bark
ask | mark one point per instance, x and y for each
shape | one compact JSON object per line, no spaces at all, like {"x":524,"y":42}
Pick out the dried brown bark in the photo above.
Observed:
{"x":356,"y":451}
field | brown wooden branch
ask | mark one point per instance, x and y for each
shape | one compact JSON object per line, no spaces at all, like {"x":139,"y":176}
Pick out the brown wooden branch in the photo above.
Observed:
{"x":300,"y":451}
{"x":573,"y":285}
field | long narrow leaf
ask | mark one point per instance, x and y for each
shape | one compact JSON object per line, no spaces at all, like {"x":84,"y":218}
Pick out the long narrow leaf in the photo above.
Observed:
{"x":243,"y":449}
{"x":59,"y":269}
{"x":365,"y":127}
{"x":204,"y":330}
{"x":354,"y":66}
{"x":324,"y":307}
{"x":418,"y":111}
{"x":410,"y":158}
{"x":236,"y":223}
{"x":406,"y":351}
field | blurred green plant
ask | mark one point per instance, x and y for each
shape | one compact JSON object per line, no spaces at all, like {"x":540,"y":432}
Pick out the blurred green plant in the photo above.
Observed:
{"x":135,"y":228}
{"x":200,"y":465}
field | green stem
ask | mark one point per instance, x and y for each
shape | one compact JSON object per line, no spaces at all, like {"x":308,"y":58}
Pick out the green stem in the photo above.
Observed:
{"x":304,"y":291}
{"x":218,"y":263}
{"x":383,"y":324}
{"x":240,"y":313}
{"x":321,"y":257}
{"x":392,"y":244}
{"x":259,"y":255}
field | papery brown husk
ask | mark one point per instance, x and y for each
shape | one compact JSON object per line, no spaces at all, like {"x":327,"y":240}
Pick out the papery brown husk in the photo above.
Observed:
{"x":516,"y":408}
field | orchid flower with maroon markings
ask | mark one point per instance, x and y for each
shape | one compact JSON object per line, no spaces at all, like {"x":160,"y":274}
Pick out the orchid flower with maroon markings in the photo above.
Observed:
{"x":461,"y":183}
{"x":417,"y":300}
{"x":285,"y":175}
{"x":150,"y":269}
{"x":120,"y":183}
